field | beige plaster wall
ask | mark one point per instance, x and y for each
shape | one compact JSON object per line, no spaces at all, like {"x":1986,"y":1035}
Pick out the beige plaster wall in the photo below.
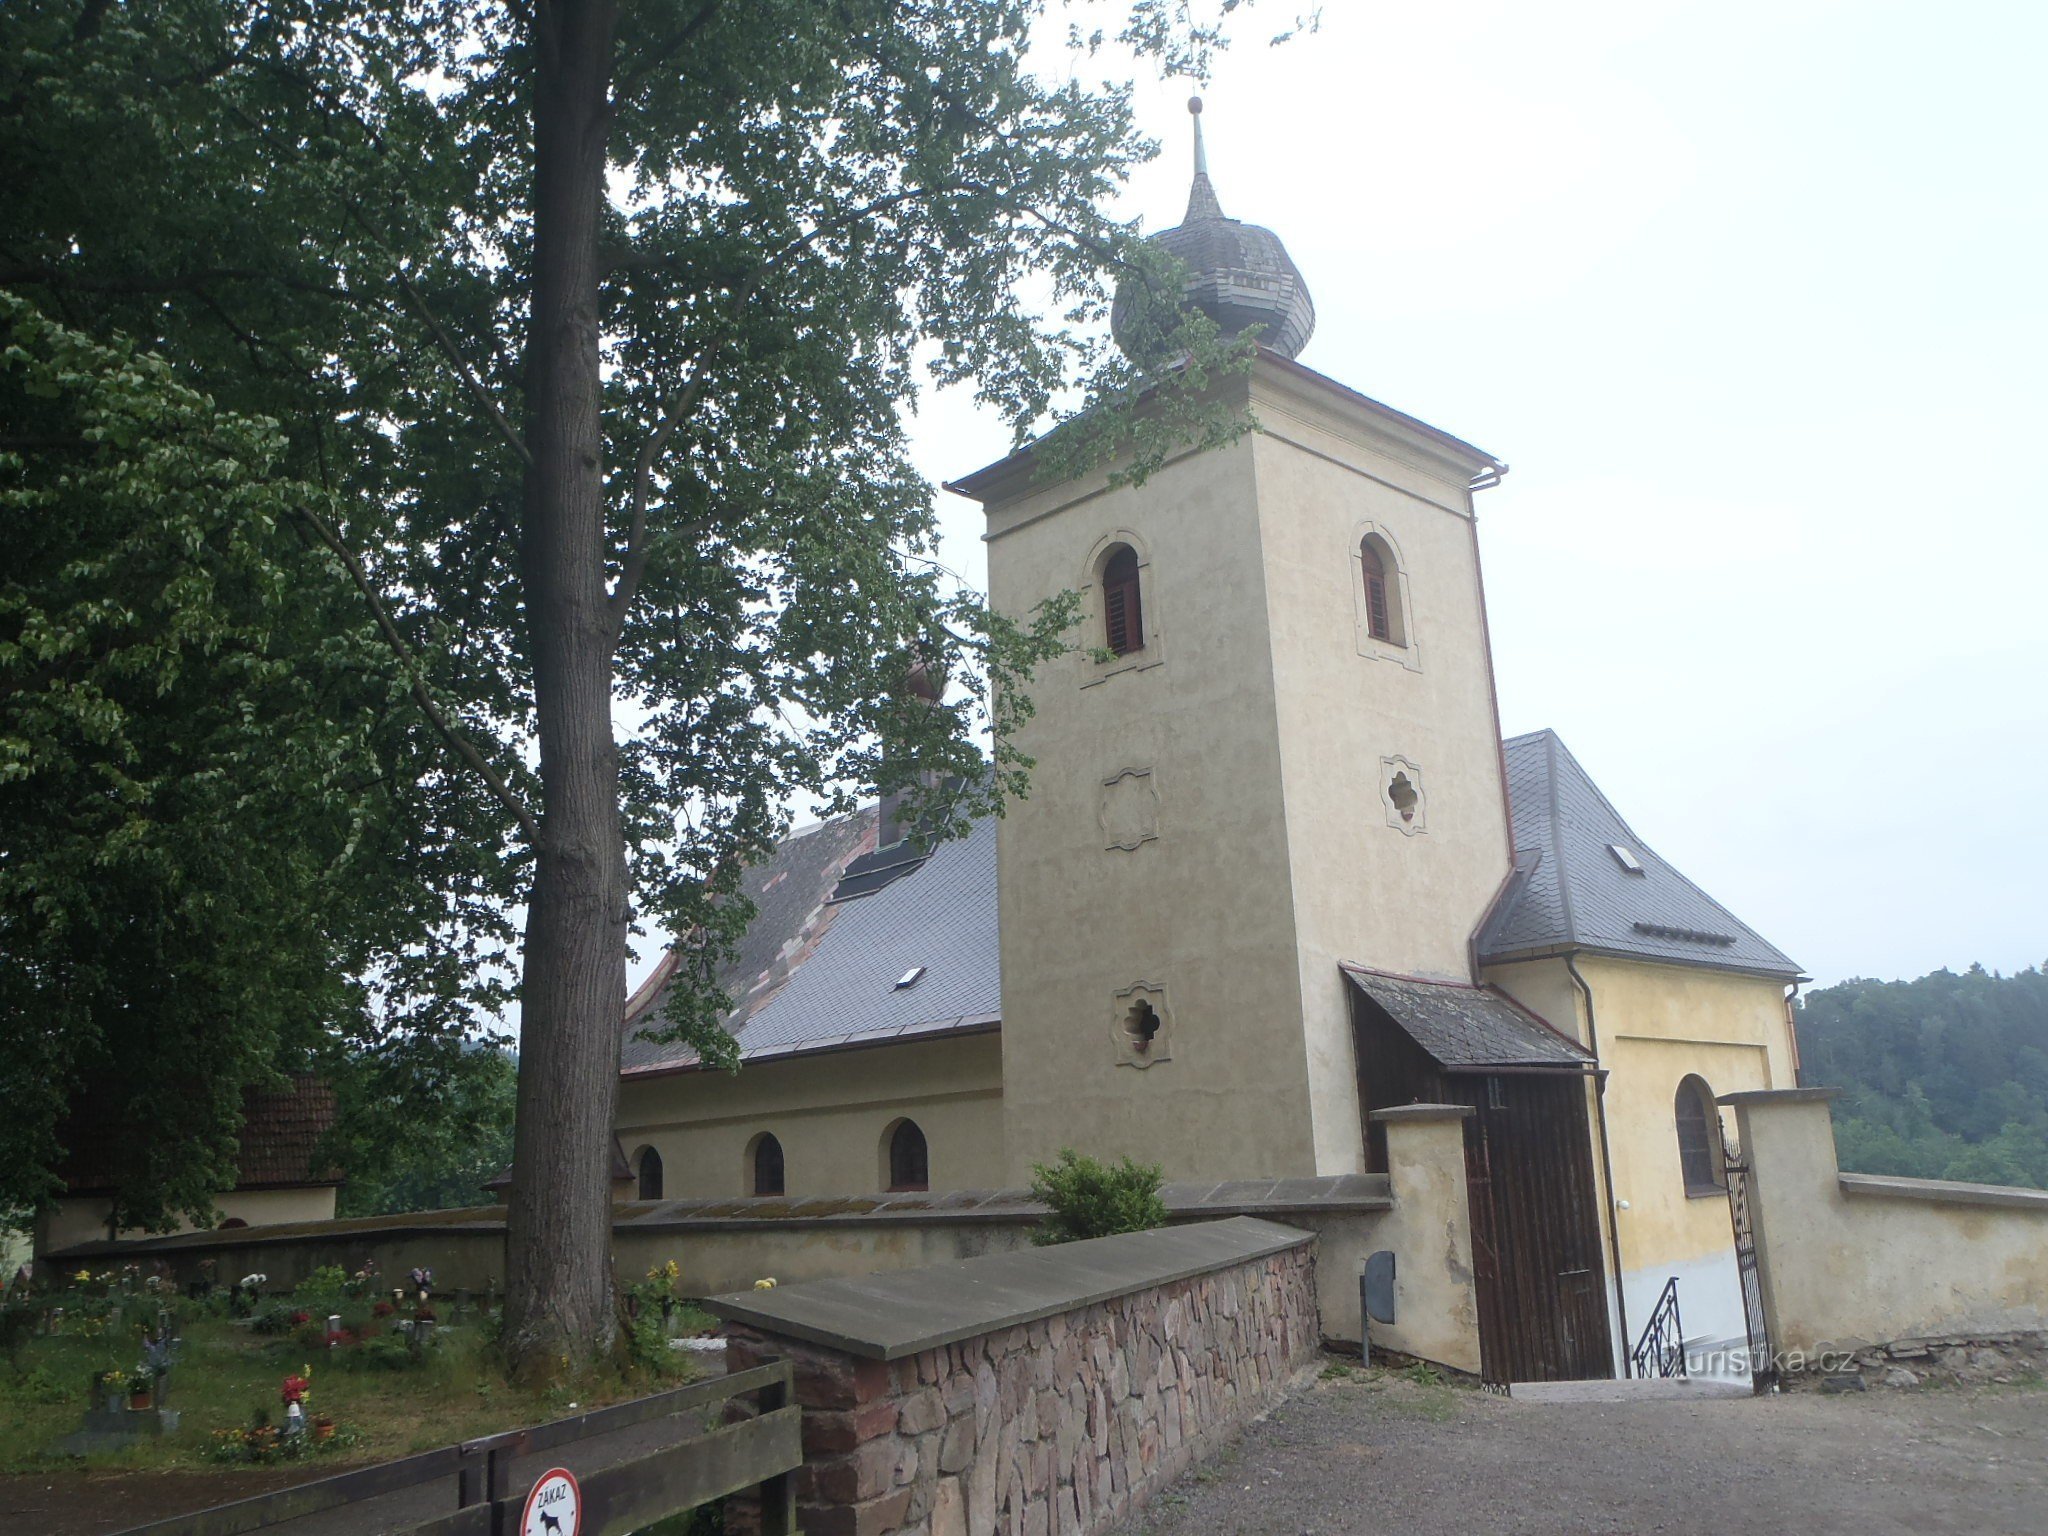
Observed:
{"x":1202,"y":907}
{"x":831,"y":1113}
{"x":1849,"y":1258}
{"x":1367,"y":887}
{"x":84,"y":1220}
{"x":1436,"y":1308}
{"x":1263,"y":852}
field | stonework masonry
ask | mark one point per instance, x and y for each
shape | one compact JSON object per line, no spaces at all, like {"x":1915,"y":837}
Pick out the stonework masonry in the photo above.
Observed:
{"x":1051,"y":1427}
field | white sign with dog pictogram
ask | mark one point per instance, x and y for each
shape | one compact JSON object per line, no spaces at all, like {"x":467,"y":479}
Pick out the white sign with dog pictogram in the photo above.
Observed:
{"x":555,"y":1507}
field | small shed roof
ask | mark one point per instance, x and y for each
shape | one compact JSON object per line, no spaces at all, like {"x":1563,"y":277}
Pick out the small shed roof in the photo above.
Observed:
{"x":1466,"y":1028}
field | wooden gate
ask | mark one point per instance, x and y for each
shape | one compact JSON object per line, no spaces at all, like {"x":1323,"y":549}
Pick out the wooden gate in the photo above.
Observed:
{"x":1536,"y":1249}
{"x":1529,"y":1175}
{"x":1763,"y":1366}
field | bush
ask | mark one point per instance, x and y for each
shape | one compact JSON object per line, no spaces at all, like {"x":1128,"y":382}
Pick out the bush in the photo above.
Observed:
{"x":279,"y":1317}
{"x":644,"y":1325}
{"x":322,"y":1292}
{"x":384,"y":1354}
{"x":1092,"y":1199}
{"x":38,"y":1385}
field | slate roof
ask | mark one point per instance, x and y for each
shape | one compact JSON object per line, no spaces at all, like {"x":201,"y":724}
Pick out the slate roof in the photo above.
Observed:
{"x":281,"y":1130}
{"x":818,"y":974}
{"x":1570,"y":890}
{"x":1463,"y":1026}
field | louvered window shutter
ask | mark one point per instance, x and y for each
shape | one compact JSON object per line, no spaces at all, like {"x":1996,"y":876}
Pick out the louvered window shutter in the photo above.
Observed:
{"x":1376,"y":608}
{"x":1123,"y":614}
{"x":1116,"y":617}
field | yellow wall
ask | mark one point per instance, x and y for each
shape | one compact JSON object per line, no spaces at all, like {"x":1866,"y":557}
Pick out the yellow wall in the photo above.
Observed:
{"x":1849,"y":1259}
{"x":85,"y":1220}
{"x":830,"y":1113}
{"x":1259,"y":720}
{"x":1401,"y":897}
{"x":1654,"y":1025}
{"x":1657,"y":1024}
{"x":1204,"y":909}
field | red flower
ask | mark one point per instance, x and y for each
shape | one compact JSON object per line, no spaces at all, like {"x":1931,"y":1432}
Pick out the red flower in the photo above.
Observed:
{"x":294,"y":1389}
{"x":301,"y":1317}
{"x":382,"y":1309}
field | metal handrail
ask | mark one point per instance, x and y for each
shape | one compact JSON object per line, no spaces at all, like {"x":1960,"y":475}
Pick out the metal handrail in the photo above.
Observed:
{"x":1661,"y":1349}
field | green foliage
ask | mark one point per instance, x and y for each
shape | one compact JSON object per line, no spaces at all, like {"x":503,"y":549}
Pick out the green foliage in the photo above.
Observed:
{"x":267,"y":656}
{"x":651,"y":1308}
{"x":1945,"y":1077}
{"x":193,"y":761}
{"x":322,"y":1292}
{"x":444,"y":1163}
{"x":38,"y":1385}
{"x":1092,"y":1199}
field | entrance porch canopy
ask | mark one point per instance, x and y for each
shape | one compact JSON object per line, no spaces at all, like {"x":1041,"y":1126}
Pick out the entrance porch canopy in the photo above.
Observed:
{"x":1463,"y":1028}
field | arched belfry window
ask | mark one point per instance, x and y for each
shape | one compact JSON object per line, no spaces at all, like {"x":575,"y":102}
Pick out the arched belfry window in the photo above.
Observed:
{"x":650,"y":1174}
{"x":1380,"y":606}
{"x":765,"y":1174}
{"x":1123,"y":606}
{"x":909,"y":1162}
{"x":1699,"y":1138}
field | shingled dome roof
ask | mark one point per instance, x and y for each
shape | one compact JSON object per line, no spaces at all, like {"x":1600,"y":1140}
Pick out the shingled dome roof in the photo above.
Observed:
{"x":1239,"y":275}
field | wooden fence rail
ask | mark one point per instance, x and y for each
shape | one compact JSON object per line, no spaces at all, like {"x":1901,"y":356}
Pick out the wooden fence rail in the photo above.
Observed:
{"x":619,"y":1496}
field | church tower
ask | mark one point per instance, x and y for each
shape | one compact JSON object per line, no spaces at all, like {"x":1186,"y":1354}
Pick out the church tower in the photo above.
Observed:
{"x":1273,"y":752}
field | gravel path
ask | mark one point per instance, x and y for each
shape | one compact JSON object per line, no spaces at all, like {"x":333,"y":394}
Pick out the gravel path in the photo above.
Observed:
{"x":1375,"y":1453}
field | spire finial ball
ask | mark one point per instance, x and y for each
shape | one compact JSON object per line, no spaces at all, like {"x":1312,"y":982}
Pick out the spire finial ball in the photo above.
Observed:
{"x":1195,"y":105}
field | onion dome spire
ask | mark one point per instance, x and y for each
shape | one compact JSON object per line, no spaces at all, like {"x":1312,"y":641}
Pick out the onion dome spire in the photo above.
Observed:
{"x":1238,"y":274}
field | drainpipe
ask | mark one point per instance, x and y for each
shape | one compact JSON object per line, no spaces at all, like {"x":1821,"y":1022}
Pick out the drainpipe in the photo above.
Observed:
{"x":1571,"y":965}
{"x":1792,"y":1030}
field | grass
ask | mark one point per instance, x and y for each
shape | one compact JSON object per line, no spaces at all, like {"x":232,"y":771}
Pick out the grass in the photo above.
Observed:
{"x":227,"y":1373}
{"x":1418,"y":1391}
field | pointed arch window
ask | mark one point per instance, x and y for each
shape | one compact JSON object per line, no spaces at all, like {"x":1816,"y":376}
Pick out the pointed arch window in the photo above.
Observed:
{"x":1123,"y":605}
{"x":1699,"y":1138}
{"x":766,"y":1172}
{"x":909,"y":1160}
{"x":650,"y":1174}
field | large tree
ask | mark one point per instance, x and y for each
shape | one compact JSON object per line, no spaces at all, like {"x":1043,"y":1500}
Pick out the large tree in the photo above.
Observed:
{"x":586,"y":327}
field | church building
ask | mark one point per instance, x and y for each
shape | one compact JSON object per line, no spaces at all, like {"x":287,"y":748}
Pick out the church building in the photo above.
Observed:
{"x":1277,"y":869}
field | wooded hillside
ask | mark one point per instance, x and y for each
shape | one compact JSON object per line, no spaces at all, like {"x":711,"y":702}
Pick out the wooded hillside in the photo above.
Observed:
{"x":1944,"y":1077}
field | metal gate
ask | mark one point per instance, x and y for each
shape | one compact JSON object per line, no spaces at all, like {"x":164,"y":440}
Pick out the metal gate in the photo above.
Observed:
{"x":1763,"y":1366}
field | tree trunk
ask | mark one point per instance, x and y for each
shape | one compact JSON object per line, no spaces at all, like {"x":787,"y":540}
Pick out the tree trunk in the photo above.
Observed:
{"x":572,"y":997}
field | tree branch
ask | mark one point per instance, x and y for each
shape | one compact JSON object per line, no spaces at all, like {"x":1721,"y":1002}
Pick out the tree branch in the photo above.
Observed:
{"x":663,"y":51}
{"x":470,"y":381}
{"x":635,"y":562}
{"x":461,"y":745}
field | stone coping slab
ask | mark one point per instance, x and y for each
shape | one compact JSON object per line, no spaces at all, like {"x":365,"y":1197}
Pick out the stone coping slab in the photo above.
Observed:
{"x":1185,"y":1199}
{"x":1409,"y":1114}
{"x":1944,"y":1191}
{"x":1780,"y":1096}
{"x":889,"y":1316}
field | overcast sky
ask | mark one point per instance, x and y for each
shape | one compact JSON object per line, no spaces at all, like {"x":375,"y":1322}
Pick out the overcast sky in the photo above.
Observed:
{"x":1750,"y":297}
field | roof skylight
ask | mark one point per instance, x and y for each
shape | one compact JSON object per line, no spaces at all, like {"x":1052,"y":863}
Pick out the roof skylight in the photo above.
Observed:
{"x":909,"y":978}
{"x":1626,"y":858}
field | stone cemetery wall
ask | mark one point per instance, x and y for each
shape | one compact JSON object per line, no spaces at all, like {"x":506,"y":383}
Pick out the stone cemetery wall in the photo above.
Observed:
{"x":1041,"y":1393}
